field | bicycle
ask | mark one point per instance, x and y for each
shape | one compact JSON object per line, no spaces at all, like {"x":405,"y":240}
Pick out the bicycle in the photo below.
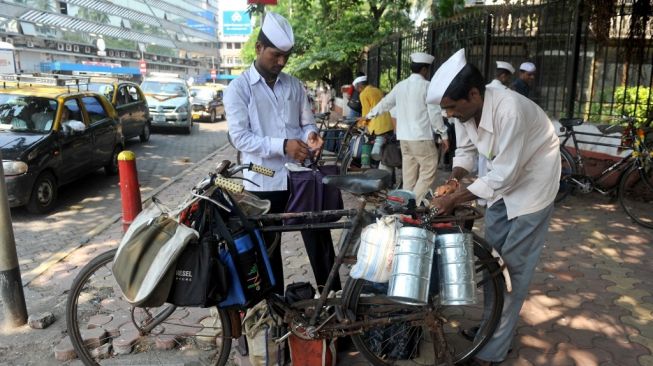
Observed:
{"x":634,"y":189}
{"x":362,"y":311}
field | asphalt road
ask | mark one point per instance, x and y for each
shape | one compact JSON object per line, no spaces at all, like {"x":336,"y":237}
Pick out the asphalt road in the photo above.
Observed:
{"x":86,"y":203}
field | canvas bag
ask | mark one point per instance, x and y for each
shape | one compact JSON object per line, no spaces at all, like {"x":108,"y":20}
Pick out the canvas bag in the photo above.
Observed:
{"x":309,"y":194}
{"x":313,"y":352}
{"x":145,"y":260}
{"x":261,"y":329}
{"x":244,"y":254}
{"x":376,"y":250}
{"x":391,"y":153}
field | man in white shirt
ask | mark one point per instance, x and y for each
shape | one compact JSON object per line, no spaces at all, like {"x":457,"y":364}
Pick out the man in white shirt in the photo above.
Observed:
{"x":271,"y":123}
{"x":416,"y":123}
{"x":502,"y":76}
{"x":522,"y":149}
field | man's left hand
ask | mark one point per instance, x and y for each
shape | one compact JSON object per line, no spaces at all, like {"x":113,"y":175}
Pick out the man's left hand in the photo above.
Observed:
{"x":315,"y":143}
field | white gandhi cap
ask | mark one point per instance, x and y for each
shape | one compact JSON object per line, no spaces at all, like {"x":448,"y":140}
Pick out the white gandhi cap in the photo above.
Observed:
{"x":277,"y":29}
{"x":359,"y":80}
{"x":506,"y":66}
{"x":421,"y":58}
{"x":444,"y":75}
{"x":527,"y":66}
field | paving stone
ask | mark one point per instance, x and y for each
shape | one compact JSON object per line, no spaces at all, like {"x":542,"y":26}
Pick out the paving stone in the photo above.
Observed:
{"x":166,"y":342}
{"x":195,"y":315}
{"x":181,"y":330}
{"x":211,"y":330}
{"x":94,"y":338}
{"x":41,"y":320}
{"x":124,"y":343}
{"x":64,"y":350}
{"x":97,"y":321}
{"x":544,"y":341}
{"x":118,"y":320}
{"x":102,"y":352}
{"x":622,"y":353}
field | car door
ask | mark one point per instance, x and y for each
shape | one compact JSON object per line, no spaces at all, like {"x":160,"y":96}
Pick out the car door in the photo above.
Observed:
{"x":76,"y":153}
{"x":140,"y":113}
{"x":125,"y":110}
{"x":103,"y":130}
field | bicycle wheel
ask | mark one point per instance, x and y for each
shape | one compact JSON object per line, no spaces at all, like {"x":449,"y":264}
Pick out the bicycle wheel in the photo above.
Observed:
{"x":104,"y":329}
{"x":568,"y":170}
{"x":636,"y":195}
{"x":410,"y":342}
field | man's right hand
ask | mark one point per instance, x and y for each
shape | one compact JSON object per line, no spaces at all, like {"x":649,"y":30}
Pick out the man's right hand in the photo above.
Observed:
{"x":297,"y":150}
{"x":448,"y":188}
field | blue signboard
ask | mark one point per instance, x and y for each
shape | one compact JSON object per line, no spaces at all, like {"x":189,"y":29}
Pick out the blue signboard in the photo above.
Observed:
{"x":208,"y":29}
{"x":236,"y":23}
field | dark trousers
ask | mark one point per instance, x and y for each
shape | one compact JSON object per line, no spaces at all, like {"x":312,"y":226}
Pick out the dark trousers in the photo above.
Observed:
{"x":318,"y":245}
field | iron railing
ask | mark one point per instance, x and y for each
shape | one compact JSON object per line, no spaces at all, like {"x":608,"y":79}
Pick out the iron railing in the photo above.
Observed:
{"x":582,"y":69}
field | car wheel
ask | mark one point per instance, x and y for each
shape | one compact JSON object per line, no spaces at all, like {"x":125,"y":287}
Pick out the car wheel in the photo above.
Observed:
{"x":112,"y":167}
{"x":44,"y":194}
{"x":214,"y":116}
{"x":145,"y":134}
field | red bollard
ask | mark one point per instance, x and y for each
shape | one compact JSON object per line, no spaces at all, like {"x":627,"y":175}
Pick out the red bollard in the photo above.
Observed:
{"x":129,"y":188}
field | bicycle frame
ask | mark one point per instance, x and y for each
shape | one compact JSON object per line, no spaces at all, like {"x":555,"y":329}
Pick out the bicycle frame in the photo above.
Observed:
{"x":623,"y":164}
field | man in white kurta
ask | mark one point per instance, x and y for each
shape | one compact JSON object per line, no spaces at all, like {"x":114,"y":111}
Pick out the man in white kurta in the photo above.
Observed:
{"x":416,"y":124}
{"x":522,"y":148}
{"x":271,"y":123}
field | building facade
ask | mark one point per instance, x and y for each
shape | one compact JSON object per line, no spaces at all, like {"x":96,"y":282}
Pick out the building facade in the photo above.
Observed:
{"x":74,"y":36}
{"x":235,"y":29}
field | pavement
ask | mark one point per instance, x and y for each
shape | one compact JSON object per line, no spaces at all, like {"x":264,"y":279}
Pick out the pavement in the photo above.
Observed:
{"x":590,"y":303}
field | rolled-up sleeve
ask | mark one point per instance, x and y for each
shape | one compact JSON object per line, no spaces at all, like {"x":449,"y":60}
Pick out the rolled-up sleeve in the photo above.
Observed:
{"x":236,"y":100}
{"x":511,"y":135}
{"x":437,"y":123}
{"x":306,"y":118}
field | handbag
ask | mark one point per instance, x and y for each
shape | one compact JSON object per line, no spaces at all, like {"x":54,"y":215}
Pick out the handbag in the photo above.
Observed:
{"x":244,"y":255}
{"x":376,"y":250}
{"x":261,"y":330}
{"x":309,"y":194}
{"x":355,"y":102}
{"x":391,"y":153}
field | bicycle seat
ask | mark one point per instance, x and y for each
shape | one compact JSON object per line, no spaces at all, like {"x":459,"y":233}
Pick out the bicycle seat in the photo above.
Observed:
{"x":571,"y":122}
{"x":372,"y":180}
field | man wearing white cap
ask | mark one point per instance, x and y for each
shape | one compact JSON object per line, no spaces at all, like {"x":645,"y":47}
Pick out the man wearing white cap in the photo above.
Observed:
{"x":524,"y":81}
{"x":522,"y":149}
{"x":502,"y":76}
{"x":416,"y":124}
{"x":271,"y":123}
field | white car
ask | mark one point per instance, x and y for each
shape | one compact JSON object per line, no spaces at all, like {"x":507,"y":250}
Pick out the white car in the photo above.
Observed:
{"x":169,"y":101}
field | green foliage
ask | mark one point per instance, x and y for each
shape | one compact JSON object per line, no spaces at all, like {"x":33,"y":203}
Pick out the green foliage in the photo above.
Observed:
{"x":625,"y":101}
{"x":634,"y":102}
{"x":331,"y":35}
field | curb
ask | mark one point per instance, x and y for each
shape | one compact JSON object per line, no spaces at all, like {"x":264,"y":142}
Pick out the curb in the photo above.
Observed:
{"x":30,"y":276}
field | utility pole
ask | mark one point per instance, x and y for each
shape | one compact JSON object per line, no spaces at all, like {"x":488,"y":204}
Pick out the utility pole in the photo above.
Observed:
{"x":11,"y":286}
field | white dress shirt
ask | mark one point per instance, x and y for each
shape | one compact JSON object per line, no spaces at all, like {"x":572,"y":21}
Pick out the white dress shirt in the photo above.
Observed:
{"x":260,"y":119}
{"x":416,"y":120}
{"x":522,"y":149}
{"x":496,"y":83}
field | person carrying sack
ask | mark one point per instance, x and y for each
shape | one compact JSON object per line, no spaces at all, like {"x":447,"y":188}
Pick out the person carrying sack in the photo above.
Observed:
{"x":271,"y":123}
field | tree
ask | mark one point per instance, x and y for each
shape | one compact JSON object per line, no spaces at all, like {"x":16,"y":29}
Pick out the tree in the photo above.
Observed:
{"x":331,"y":35}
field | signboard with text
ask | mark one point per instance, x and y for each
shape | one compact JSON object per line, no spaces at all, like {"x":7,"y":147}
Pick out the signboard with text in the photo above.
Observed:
{"x":266,"y":2}
{"x":236,"y":23}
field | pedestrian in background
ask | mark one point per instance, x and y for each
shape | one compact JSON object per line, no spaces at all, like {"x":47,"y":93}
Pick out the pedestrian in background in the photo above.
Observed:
{"x":524,"y":82}
{"x":379,"y":126}
{"x":271,"y":123}
{"x":519,"y":139}
{"x":417,"y":123}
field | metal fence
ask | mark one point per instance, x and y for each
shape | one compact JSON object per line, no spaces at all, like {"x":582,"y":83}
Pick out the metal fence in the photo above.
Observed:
{"x":583,"y":70}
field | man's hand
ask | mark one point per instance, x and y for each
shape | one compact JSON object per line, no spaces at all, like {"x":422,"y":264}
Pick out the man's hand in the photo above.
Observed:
{"x":297,"y":150}
{"x":448,"y":188}
{"x":371,"y":115}
{"x":315,"y":143}
{"x":444,"y":146}
{"x":444,"y":205}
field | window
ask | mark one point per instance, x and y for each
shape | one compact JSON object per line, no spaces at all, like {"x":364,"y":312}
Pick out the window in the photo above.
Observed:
{"x":94,"y":108}
{"x":133,"y":94}
{"x":71,"y":111}
{"x":237,"y":45}
{"x":122,"y":96}
{"x":230,"y":45}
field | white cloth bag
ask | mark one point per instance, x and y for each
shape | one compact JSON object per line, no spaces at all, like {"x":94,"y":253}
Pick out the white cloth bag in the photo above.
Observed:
{"x":376,"y":250}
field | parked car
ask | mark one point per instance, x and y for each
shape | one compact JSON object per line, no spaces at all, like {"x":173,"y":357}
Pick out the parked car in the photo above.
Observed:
{"x":51,"y":134}
{"x":207,"y":103}
{"x":129,"y":101}
{"x":169,"y":101}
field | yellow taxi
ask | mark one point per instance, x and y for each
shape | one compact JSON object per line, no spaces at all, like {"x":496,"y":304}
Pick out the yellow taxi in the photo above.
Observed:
{"x":53,"y":131}
{"x":206,"y":102}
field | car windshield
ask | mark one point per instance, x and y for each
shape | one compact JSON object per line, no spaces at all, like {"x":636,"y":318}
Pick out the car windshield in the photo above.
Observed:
{"x":201,"y":93}
{"x":26,"y":114}
{"x":105,"y":89}
{"x":164,"y":88}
